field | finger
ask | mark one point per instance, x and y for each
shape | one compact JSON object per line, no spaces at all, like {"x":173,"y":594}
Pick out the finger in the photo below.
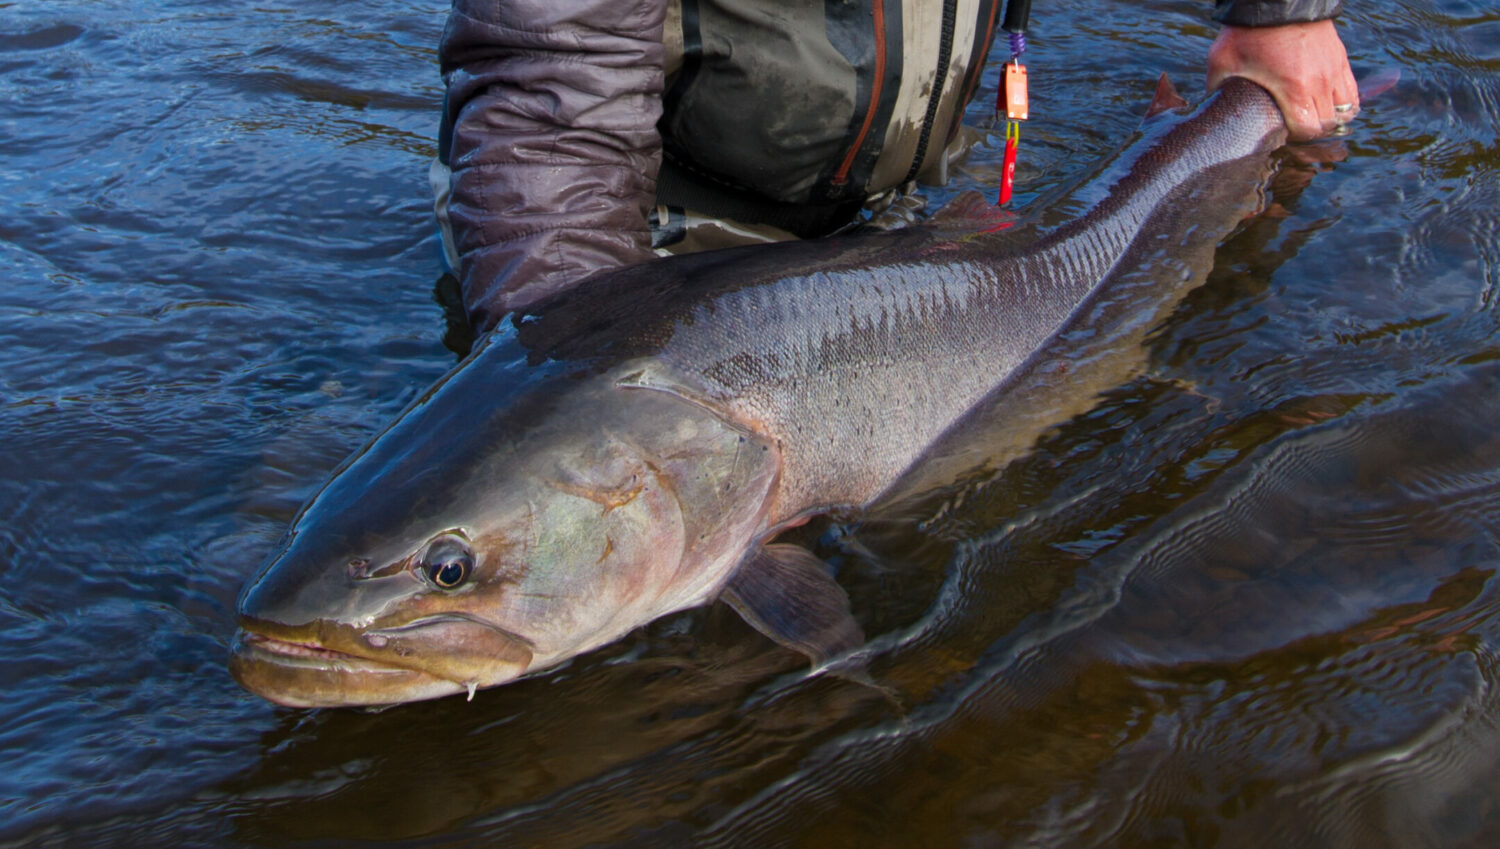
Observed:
{"x":1328,"y":120}
{"x":1345,"y":101}
{"x":1298,"y":106}
{"x":1305,"y":120}
{"x":1345,"y":98}
{"x":1337,"y":102}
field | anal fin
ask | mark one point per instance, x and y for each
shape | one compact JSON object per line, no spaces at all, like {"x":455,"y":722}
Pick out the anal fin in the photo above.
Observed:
{"x":786,"y":593}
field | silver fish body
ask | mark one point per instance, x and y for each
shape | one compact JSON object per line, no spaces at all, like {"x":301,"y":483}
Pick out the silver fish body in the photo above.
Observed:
{"x":631,"y":448}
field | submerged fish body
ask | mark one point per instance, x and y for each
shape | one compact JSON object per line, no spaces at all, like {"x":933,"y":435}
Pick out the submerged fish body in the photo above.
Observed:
{"x":631,"y":449}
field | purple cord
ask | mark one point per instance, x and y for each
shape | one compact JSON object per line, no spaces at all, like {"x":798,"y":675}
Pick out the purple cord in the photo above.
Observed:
{"x":1017,"y":44}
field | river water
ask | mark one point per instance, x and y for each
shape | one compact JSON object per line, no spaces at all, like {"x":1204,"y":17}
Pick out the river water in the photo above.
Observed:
{"x":1248,"y":598}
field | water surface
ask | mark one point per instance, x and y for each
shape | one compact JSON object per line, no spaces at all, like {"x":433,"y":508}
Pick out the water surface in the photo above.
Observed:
{"x":1248,"y":597}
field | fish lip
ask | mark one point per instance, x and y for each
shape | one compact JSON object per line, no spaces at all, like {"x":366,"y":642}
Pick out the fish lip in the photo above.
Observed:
{"x":452,"y":617}
{"x":304,"y":674}
{"x":309,"y":677}
{"x":293,"y":666}
{"x":299,"y":653}
{"x":252,"y":644}
{"x":307,"y":654}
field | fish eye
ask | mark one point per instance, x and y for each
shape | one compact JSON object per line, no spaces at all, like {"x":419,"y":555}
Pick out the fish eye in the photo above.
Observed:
{"x":447,"y":562}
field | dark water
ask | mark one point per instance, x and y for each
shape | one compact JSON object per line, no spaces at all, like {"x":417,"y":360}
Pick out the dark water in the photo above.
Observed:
{"x":1248,"y":599}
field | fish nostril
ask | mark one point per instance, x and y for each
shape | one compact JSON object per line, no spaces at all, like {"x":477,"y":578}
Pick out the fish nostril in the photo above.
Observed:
{"x":359,"y":568}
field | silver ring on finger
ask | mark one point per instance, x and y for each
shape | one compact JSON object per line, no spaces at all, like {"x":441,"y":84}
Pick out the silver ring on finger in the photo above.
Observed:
{"x":1342,"y":107}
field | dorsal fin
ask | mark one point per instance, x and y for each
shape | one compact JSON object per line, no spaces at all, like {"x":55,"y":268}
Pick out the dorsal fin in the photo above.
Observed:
{"x":1166,"y":98}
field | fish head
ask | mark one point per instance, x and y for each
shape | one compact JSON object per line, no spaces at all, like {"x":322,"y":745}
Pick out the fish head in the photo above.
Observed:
{"x":443,"y":559}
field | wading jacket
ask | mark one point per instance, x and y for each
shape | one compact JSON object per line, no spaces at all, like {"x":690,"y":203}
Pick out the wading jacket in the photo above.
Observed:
{"x":561,"y":115}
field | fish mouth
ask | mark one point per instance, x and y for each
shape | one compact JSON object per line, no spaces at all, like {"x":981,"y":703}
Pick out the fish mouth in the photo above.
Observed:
{"x":300,"y":653}
{"x":425,"y":659}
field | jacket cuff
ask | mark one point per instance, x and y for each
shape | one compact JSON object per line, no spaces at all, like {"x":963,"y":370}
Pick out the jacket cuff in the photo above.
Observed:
{"x":1271,"y":13}
{"x":550,"y":137}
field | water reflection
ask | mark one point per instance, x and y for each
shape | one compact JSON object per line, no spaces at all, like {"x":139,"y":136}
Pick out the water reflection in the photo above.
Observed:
{"x":1246,"y":597}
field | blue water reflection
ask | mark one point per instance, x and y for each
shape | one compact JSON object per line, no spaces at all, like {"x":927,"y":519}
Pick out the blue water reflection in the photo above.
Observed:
{"x":1246,"y":597}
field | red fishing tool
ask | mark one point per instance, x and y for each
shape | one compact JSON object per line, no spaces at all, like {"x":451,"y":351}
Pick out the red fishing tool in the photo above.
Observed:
{"x":1012,"y":95}
{"x":1008,"y":172}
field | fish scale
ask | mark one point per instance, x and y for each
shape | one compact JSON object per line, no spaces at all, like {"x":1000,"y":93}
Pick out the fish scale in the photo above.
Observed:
{"x":960,"y":311}
{"x":673,"y":417}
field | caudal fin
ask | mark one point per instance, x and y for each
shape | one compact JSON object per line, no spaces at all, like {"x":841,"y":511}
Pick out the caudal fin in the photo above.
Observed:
{"x":1377,"y":82}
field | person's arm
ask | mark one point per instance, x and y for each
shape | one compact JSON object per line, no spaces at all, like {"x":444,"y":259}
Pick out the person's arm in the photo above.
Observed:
{"x":552,"y":147}
{"x":1289,"y":47}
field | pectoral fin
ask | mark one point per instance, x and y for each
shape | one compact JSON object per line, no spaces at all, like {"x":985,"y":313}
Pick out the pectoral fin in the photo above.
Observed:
{"x":786,"y":593}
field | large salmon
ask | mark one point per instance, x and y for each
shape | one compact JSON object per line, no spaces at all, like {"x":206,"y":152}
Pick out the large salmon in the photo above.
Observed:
{"x":632,"y":449}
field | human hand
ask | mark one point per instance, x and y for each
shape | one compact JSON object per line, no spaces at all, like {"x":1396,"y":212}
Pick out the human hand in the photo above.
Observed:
{"x":1303,"y":66}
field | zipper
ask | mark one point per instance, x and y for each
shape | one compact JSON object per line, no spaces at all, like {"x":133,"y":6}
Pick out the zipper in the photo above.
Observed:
{"x":945,"y":54}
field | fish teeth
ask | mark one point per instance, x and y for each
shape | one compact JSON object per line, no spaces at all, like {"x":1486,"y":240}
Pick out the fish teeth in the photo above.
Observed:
{"x":472,"y":685}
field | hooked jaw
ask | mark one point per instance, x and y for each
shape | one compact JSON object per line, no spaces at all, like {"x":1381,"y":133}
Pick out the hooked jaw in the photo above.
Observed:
{"x":431,"y":657}
{"x":297,"y":674}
